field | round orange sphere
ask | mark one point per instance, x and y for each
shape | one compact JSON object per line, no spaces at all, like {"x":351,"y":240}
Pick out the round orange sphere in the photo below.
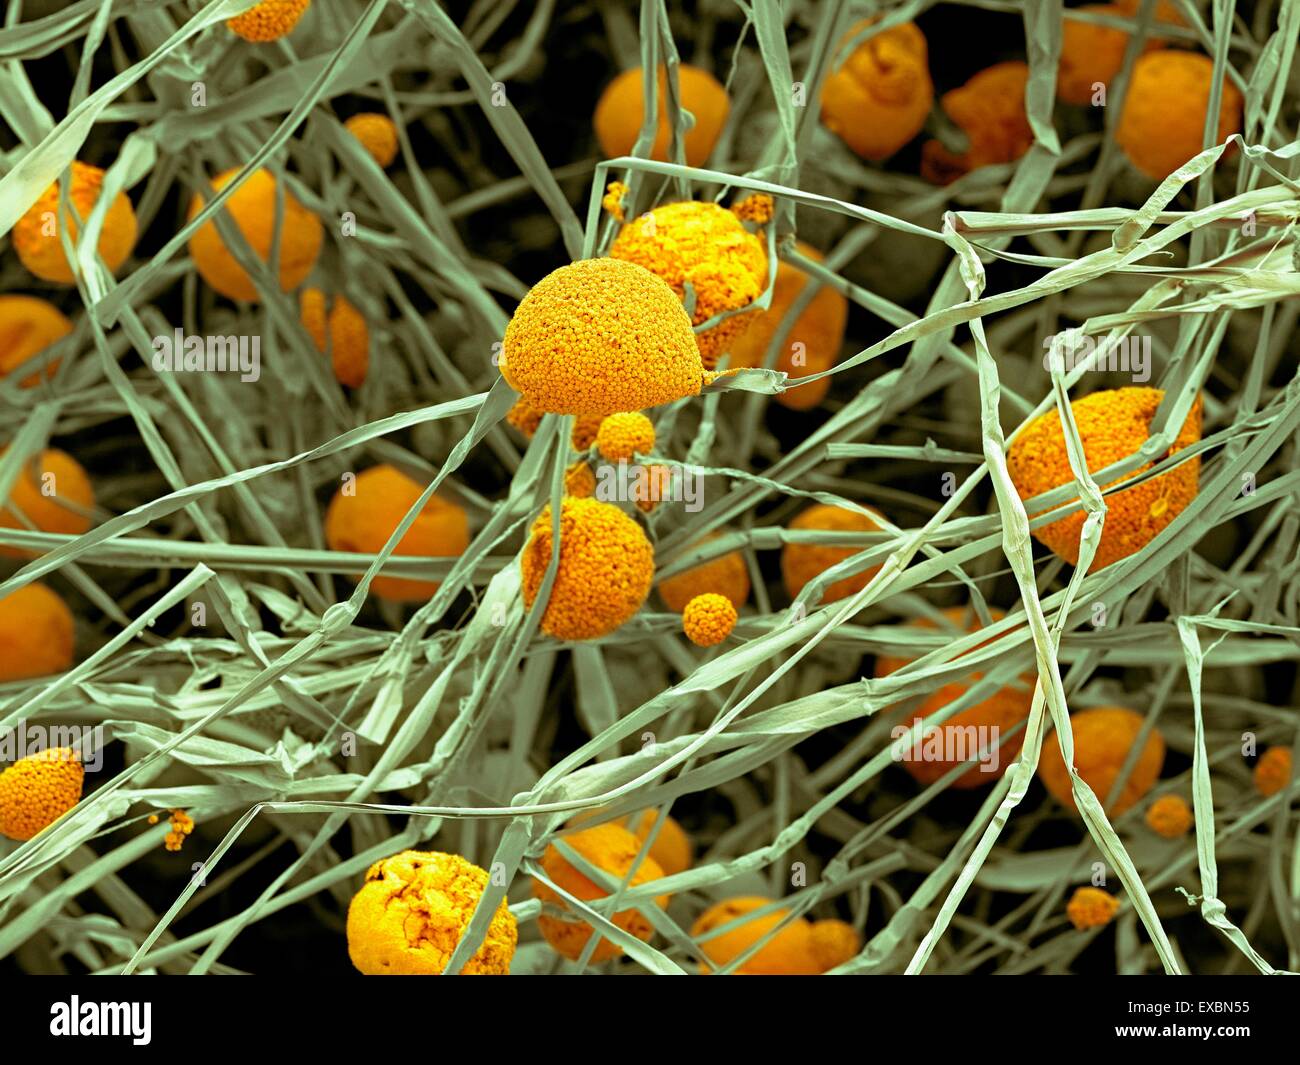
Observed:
{"x":1102,"y":739}
{"x":880,"y":98}
{"x":609,"y":847}
{"x":362,"y":519}
{"x":53,"y":498}
{"x":37,"y":238}
{"x":37,"y":790}
{"x":800,"y":563}
{"x":36,"y":633}
{"x":605,"y":571}
{"x":27,"y":327}
{"x":1163,"y":121}
{"x":252,"y":206}
{"x":1112,"y":425}
{"x":339,"y":331}
{"x":620,"y":113}
{"x":987,"y":721}
{"x":812,"y":343}
{"x":726,"y":575}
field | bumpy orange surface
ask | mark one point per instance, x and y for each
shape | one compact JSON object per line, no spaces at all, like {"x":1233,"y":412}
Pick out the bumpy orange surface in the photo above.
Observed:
{"x":36,"y":633}
{"x":1273,"y":771}
{"x":1112,"y":425}
{"x":672,"y":846}
{"x":252,"y":206}
{"x":833,"y":943}
{"x":526,"y":418}
{"x":1090,"y":54}
{"x":27,"y":327}
{"x":990,"y":109}
{"x":705,"y":246}
{"x":412,"y":910}
{"x":985,"y":723}
{"x":601,"y":336}
{"x":653,"y":484}
{"x":342,"y":332}
{"x":609,"y":847}
{"x":1163,"y":121}
{"x":1164,"y":117}
{"x":377,"y":134}
{"x":800,"y":563}
{"x":269,"y":20}
{"x":621,"y":436}
{"x":363,"y":521}
{"x":37,"y":790}
{"x":727,"y":575}
{"x":52,"y":501}
{"x":708,"y":619}
{"x":620,"y":113}
{"x":801,"y":948}
{"x":605,"y":571}
{"x":1090,"y":907}
{"x":36,"y":235}
{"x":1169,"y":816}
{"x":812,"y":343}
{"x":579,"y":480}
{"x":1102,"y":739}
{"x":182,"y":824}
{"x":879,"y":99}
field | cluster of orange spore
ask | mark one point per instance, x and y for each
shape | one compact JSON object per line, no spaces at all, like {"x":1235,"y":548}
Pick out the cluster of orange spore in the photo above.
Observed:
{"x":1091,"y":907}
{"x":1112,"y":425}
{"x":1170,"y":816}
{"x":621,"y":437}
{"x":268,"y":21}
{"x":182,"y":824}
{"x":39,"y":789}
{"x":600,"y":336}
{"x":409,"y":916}
{"x":605,"y":570}
{"x":702,"y":247}
{"x":708,"y":619}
